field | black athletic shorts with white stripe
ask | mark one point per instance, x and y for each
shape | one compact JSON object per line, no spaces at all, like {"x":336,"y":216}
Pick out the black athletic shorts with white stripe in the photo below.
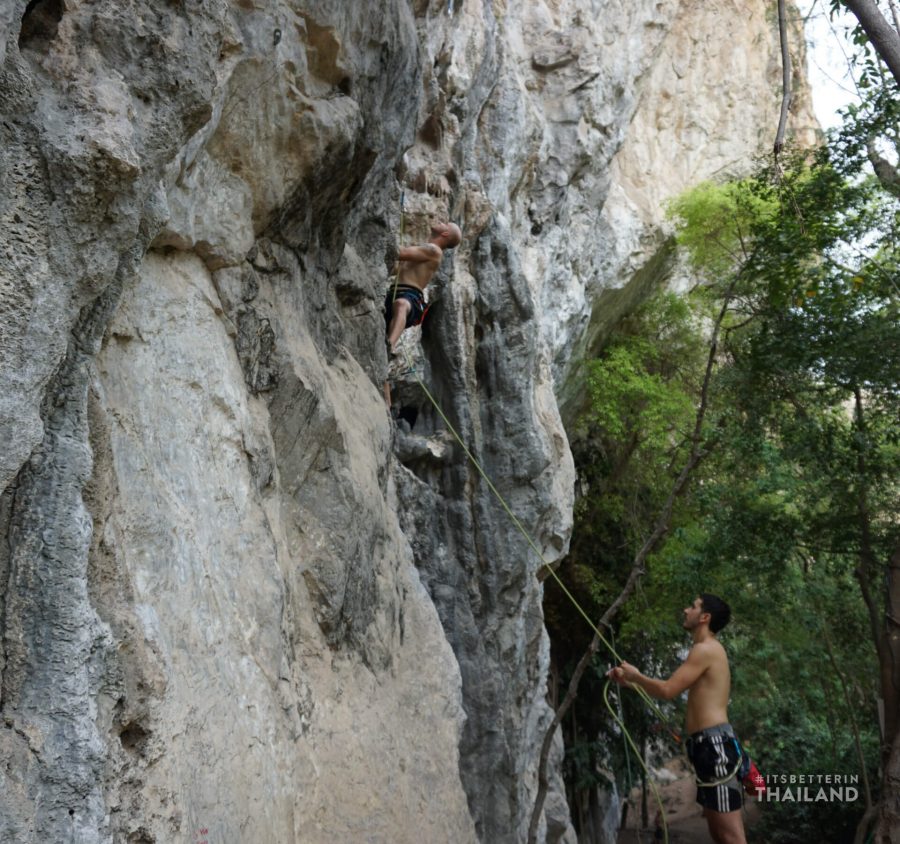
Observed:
{"x":715,"y":753}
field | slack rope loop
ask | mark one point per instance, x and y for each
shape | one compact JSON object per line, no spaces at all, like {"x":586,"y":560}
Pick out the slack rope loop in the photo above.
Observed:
{"x":567,"y":593}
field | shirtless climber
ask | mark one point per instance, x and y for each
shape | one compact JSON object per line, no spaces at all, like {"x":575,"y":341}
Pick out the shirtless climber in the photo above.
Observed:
{"x":711,"y":746}
{"x":416,"y":266}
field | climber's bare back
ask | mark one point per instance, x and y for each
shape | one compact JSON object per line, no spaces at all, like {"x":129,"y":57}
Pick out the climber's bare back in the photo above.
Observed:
{"x":418,"y":264}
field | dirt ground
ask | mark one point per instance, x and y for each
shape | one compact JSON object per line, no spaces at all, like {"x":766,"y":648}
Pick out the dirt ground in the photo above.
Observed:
{"x":683,"y":815}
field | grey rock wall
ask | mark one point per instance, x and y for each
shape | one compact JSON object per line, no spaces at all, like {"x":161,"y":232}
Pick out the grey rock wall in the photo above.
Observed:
{"x":237,"y":601}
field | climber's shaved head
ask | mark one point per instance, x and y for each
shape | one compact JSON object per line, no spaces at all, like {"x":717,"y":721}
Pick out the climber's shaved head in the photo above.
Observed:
{"x":445,"y":235}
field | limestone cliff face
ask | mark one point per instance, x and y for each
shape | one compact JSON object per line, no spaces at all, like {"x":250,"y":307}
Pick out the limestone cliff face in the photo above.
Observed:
{"x":238,"y":602}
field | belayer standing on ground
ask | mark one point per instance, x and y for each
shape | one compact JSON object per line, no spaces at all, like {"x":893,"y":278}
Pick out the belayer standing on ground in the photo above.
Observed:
{"x":404,"y":304}
{"x":712,"y":746}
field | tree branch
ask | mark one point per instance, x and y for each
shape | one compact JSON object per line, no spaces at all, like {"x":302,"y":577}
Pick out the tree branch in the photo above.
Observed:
{"x":894,"y":15}
{"x":883,"y":36}
{"x":785,"y":79}
{"x":886,"y":173}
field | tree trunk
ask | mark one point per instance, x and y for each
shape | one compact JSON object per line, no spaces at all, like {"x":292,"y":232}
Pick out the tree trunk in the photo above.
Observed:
{"x":883,"y":36}
{"x":890,"y":663}
{"x":884,"y":622}
{"x":786,"y":94}
{"x":888,"y":829}
{"x":645,"y":815}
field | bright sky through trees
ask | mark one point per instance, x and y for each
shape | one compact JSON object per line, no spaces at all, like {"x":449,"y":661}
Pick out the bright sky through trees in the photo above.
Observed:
{"x":828,"y":54}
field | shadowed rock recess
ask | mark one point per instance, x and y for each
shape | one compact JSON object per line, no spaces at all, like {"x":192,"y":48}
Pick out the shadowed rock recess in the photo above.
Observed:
{"x":237,"y":601}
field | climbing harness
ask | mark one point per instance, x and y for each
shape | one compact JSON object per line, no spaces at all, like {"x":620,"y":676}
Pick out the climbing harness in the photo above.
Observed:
{"x":727,"y":778}
{"x":745,"y":773}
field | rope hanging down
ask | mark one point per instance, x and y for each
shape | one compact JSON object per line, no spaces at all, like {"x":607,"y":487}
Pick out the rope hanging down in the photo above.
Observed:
{"x":647,"y":699}
{"x":529,"y":540}
{"x":634,"y":749}
{"x":533,"y":545}
{"x":402,"y":222}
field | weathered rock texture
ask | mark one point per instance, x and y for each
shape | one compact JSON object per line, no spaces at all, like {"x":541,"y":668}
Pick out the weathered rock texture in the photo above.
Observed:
{"x":229,"y":609}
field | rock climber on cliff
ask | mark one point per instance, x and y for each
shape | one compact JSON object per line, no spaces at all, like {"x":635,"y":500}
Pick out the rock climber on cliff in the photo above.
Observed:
{"x":404,"y":304}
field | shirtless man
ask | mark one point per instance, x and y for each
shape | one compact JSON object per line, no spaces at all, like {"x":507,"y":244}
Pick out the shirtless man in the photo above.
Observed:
{"x":417,"y":265}
{"x":711,"y":746}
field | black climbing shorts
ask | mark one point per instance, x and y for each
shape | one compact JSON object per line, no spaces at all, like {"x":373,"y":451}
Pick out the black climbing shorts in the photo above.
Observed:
{"x":715,"y":753}
{"x":413,"y":295}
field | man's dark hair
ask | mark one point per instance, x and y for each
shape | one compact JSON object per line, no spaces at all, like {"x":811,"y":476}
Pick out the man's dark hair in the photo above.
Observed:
{"x":719,"y":611}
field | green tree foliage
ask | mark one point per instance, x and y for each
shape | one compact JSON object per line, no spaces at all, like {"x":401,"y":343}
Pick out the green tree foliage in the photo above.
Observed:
{"x":631,"y":443}
{"x":813,"y":377}
{"x":794,"y":511}
{"x":717,"y":222}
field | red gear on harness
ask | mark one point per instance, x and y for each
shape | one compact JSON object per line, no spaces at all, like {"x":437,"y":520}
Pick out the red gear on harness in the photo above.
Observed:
{"x":754,"y":782}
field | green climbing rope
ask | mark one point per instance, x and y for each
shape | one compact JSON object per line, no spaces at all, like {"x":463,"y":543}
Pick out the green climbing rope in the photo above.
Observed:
{"x":565,"y":590}
{"x":402,"y":227}
{"x":630,"y":740}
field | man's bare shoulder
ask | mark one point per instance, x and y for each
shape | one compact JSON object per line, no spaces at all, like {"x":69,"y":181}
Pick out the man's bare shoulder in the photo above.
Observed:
{"x":427,"y":253}
{"x":707,"y":651}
